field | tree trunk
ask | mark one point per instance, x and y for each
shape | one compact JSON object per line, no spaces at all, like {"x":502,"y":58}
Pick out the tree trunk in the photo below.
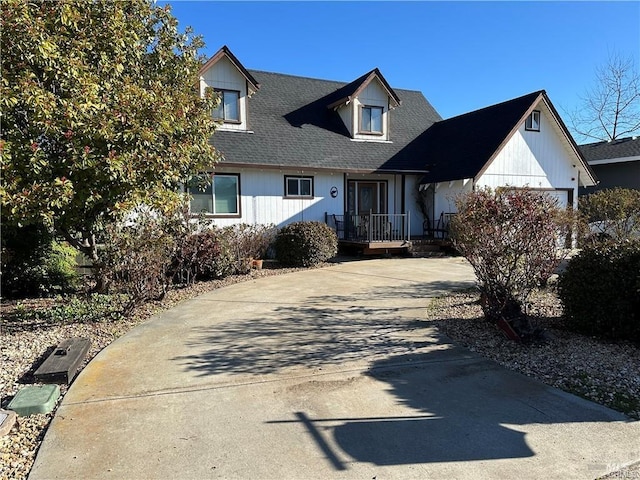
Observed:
{"x":89,"y":248}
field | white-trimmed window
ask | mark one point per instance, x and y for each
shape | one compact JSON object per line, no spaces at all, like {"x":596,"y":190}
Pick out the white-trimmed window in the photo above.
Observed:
{"x":533,"y":121}
{"x":228,"y":110}
{"x":298,"y":186}
{"x":371,"y":120}
{"x":221,"y":197}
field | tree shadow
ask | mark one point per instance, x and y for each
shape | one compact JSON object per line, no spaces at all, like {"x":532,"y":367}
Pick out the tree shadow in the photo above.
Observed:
{"x":324,"y":330}
{"x":471,"y":399}
{"x":463,"y":409}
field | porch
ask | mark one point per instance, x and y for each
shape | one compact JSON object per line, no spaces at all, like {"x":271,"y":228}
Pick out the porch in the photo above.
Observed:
{"x":373,"y":232}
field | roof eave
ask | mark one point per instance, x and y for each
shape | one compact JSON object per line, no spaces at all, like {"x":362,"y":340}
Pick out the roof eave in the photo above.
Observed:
{"x":225,"y":52}
{"x":583,"y":165}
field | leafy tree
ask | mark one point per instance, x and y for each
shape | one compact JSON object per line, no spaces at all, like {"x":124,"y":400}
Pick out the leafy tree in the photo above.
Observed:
{"x":511,"y":239}
{"x":611,"y":108}
{"x":100,"y":112}
{"x":612,"y":213}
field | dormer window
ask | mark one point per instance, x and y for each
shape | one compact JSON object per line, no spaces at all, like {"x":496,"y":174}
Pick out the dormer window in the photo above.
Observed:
{"x":228,"y":109}
{"x":371,"y":120}
{"x":533,"y":121}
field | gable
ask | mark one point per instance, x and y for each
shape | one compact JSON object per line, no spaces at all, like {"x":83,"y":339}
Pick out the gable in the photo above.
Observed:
{"x":537,"y":159}
{"x":468,"y":145}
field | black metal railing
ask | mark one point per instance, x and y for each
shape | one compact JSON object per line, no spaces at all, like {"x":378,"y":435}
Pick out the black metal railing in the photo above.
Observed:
{"x":371,"y":227}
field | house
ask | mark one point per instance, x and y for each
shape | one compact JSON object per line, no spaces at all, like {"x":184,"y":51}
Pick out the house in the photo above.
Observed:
{"x":358,"y":154}
{"x":616,"y":163}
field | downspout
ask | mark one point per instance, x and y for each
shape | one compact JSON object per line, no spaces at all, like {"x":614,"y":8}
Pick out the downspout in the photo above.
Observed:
{"x":402,"y":202}
{"x":402,"y":193}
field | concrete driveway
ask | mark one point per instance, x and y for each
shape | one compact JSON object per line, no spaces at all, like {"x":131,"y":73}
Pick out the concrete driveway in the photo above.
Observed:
{"x":325,"y":373}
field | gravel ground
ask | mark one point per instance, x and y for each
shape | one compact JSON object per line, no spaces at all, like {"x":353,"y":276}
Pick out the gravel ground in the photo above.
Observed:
{"x":605,"y":372}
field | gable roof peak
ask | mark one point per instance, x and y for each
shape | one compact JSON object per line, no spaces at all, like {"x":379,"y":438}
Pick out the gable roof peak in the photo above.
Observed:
{"x":224,"y":51}
{"x":353,"y":89}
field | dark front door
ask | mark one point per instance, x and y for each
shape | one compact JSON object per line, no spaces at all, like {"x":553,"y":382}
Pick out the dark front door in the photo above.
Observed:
{"x":367,"y":197}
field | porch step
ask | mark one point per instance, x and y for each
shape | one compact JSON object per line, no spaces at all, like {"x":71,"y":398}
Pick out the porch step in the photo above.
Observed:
{"x":429,"y":248}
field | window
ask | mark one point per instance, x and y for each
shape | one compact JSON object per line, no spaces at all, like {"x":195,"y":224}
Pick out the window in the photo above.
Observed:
{"x":228,"y":109}
{"x":221,"y":197}
{"x":371,"y":120}
{"x":298,"y":186}
{"x":533,"y":121}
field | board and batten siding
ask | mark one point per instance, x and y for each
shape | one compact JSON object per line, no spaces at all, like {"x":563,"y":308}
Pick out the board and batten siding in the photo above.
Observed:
{"x":445,"y":195}
{"x":262,"y":199}
{"x":224,"y":75}
{"x":538,"y":160}
{"x":373,"y":95}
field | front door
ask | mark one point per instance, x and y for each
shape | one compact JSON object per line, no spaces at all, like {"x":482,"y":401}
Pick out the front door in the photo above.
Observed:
{"x":366,"y":197}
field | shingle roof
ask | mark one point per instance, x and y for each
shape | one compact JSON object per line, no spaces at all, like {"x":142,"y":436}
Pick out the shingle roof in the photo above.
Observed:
{"x":621,"y":148}
{"x":292,"y":127}
{"x":460,"y":147}
{"x":352,"y":89}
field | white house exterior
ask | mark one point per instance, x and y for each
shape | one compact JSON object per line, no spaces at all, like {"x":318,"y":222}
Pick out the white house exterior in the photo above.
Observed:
{"x":297,"y":148}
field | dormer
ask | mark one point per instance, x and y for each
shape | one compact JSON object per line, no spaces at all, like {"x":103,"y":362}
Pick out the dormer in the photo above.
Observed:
{"x":234,"y":84}
{"x":364,"y":105}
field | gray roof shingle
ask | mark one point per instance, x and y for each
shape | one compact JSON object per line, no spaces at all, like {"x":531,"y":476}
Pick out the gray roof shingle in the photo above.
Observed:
{"x":621,"y":148}
{"x":459,"y":147}
{"x":293,"y":128}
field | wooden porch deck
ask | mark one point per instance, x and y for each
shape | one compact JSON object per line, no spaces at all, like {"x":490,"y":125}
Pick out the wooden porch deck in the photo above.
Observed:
{"x":372,"y":233}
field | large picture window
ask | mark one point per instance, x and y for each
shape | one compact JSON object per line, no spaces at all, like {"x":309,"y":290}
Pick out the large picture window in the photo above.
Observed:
{"x":228,"y":109}
{"x":222,"y":197}
{"x":298,"y":186}
{"x":371,"y":120}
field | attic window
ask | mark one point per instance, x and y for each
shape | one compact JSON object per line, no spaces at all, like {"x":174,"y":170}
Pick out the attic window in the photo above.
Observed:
{"x":533,"y":121}
{"x":371,"y":120}
{"x":228,"y":109}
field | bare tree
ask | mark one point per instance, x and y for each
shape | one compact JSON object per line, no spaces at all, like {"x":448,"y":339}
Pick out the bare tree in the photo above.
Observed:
{"x":611,"y":108}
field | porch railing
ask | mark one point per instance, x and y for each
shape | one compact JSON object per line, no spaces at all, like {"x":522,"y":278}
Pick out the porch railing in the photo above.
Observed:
{"x":372,"y":227}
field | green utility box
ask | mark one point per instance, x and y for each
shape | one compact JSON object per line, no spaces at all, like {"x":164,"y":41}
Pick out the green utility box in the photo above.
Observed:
{"x":35,"y":399}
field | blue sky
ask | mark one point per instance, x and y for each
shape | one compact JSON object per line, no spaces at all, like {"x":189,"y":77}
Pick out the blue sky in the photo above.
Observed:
{"x":461,"y":55}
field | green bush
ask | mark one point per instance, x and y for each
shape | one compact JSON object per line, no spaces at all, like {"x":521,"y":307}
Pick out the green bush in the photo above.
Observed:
{"x":610,"y":214}
{"x":600,"y":291}
{"x":304,"y":244}
{"x":35,"y":264}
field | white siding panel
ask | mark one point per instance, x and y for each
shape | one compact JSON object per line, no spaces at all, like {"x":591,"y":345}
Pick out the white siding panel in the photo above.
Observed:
{"x":224,"y":75}
{"x":411,"y":205}
{"x":346,"y":114}
{"x":375,"y":96}
{"x":263,"y":201}
{"x":533,"y":159}
{"x":445,"y":195}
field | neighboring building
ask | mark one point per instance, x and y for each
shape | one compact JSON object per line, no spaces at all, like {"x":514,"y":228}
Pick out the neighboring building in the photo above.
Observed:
{"x":616,"y":163}
{"x":356,"y":154}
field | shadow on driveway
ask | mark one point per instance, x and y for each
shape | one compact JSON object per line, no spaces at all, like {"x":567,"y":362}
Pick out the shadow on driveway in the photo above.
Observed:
{"x":323,"y":330}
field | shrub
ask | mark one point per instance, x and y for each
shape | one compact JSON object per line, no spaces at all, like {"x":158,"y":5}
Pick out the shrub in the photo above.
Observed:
{"x":253,"y":241}
{"x":511,"y":239}
{"x":61,"y":267}
{"x":305,"y":244}
{"x":35,"y":264}
{"x":611,"y":214}
{"x":137,"y":256}
{"x":600,"y":291}
{"x":204,"y":255}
